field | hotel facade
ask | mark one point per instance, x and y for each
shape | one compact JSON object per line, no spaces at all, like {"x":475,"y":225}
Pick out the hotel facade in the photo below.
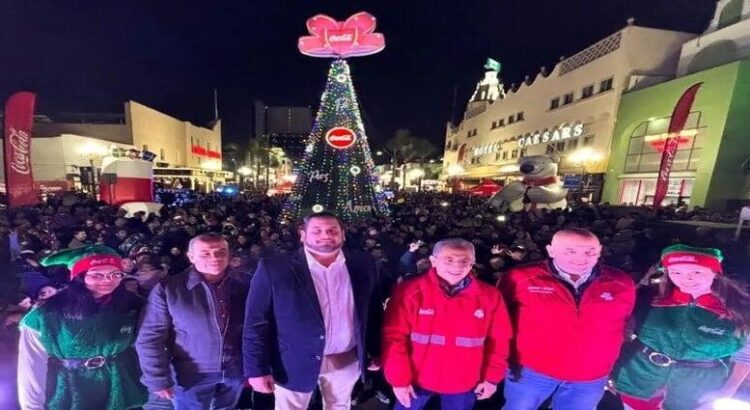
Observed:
{"x":569,"y":111}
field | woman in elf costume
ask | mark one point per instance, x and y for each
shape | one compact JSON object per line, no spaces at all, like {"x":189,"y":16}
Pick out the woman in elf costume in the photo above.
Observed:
{"x":75,"y":350}
{"x":692,"y":346}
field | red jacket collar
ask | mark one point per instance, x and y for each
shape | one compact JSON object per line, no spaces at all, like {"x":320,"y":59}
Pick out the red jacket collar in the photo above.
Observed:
{"x":679,"y":298}
{"x":435,"y":279}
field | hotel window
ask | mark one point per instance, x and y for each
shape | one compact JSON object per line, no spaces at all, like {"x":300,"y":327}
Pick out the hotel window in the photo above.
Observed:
{"x":560,"y":146}
{"x":497,"y":156}
{"x":567,"y":98}
{"x":519,"y":116}
{"x":505,"y":154}
{"x":605,"y":85}
{"x":514,"y":154}
{"x":588,"y":91}
{"x":550,"y":149}
{"x":161,"y":154}
{"x":494,"y":125}
{"x":588,"y":140}
{"x":501,"y":123}
{"x":523,"y":152}
{"x":511,"y":119}
{"x":647,"y":145}
{"x":554,"y":103}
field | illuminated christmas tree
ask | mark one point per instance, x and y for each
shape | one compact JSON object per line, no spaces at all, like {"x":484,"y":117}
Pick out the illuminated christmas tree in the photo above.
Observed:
{"x":337,"y":171}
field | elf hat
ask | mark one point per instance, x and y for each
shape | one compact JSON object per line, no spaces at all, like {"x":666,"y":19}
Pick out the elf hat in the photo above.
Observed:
{"x":683,"y":254}
{"x":84,"y":264}
{"x":71,"y":257}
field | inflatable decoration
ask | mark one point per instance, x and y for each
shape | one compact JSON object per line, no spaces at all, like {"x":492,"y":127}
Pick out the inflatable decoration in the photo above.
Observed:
{"x":329,"y":38}
{"x":127,"y":180}
{"x":539,"y":187}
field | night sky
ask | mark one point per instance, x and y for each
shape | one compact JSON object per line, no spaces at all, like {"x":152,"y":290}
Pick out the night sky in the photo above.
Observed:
{"x":91,"y":56}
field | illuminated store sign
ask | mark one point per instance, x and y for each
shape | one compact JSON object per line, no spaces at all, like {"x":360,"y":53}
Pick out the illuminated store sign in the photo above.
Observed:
{"x":537,"y":137}
{"x":553,"y":135}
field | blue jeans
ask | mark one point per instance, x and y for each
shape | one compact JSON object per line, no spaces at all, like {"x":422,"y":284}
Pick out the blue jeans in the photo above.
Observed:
{"x":531,"y":389}
{"x":215,"y":391}
{"x":460,"y":401}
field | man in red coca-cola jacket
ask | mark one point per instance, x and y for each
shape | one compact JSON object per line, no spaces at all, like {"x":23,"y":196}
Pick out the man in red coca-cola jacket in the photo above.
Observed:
{"x":445,"y":333}
{"x":569,"y":315}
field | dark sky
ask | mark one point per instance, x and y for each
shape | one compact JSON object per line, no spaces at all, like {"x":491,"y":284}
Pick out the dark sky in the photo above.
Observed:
{"x":91,"y":56}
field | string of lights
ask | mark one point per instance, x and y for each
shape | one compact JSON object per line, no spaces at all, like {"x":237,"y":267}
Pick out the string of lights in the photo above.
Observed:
{"x":337,"y":170}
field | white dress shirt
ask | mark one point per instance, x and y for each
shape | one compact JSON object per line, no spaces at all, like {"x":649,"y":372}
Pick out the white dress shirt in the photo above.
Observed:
{"x":566,"y":277}
{"x":334,"y":289}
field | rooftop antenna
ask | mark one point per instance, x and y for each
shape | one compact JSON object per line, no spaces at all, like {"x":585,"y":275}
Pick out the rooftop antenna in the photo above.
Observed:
{"x":216,"y":105}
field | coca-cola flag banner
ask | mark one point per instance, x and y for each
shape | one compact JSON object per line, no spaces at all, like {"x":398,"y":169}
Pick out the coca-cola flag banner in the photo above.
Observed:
{"x":676,"y":126}
{"x":19,"y":118}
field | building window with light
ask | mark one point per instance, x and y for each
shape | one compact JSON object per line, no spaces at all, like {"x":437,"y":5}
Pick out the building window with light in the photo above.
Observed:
{"x":645,"y":149}
{"x":648,"y":140}
{"x":505,"y":154}
{"x":605,"y":85}
{"x":514,"y":154}
{"x":588,"y":91}
{"x":554,"y":103}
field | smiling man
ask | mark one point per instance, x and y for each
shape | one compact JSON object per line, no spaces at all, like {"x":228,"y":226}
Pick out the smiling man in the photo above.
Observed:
{"x":569,"y":314}
{"x":307,"y":319}
{"x":446,"y":333}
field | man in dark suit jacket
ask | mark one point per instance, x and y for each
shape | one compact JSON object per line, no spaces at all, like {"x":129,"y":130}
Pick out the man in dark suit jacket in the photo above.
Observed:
{"x":307,"y":318}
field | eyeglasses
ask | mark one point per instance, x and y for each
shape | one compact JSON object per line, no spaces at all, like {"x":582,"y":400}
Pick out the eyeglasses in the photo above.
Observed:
{"x":100,"y":277}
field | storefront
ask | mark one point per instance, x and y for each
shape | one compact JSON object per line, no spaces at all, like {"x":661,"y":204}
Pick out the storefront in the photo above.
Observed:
{"x":568,"y":111}
{"x":710,"y":164}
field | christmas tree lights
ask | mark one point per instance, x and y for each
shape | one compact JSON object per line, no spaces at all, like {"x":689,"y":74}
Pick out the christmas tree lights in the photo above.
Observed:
{"x":337,"y":171}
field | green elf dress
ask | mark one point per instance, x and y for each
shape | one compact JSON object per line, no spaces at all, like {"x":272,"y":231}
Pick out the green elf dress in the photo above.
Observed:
{"x":681,"y":352}
{"x":99,"y":368}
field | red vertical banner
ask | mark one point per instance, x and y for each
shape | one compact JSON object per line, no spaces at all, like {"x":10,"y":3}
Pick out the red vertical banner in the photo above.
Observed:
{"x":19,"y":119}
{"x":676,"y":126}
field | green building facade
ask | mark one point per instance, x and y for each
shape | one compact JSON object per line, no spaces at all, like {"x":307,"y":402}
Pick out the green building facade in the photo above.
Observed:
{"x":711,"y":165}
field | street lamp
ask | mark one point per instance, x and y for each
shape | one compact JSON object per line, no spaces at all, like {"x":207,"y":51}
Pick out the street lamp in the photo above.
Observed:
{"x":244,"y":171}
{"x":583,"y":158}
{"x":93,"y":152}
{"x":417,"y":173}
{"x":453,"y":172}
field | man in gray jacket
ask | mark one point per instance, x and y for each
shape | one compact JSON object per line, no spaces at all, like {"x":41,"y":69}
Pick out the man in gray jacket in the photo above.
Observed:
{"x":189,"y":343}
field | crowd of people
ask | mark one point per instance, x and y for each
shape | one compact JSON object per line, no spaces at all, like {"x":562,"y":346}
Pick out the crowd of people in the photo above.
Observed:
{"x":223,"y":287}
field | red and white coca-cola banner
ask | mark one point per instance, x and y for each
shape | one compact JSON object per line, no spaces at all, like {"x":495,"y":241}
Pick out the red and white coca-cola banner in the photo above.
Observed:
{"x":19,"y":118}
{"x":676,"y":126}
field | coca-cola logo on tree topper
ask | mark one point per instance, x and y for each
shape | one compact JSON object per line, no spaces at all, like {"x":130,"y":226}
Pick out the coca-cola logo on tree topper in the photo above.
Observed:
{"x":354,"y":37}
{"x":340,"y":137}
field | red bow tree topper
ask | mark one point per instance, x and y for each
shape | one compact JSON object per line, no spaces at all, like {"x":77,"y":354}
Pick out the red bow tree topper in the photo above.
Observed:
{"x":329,"y":38}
